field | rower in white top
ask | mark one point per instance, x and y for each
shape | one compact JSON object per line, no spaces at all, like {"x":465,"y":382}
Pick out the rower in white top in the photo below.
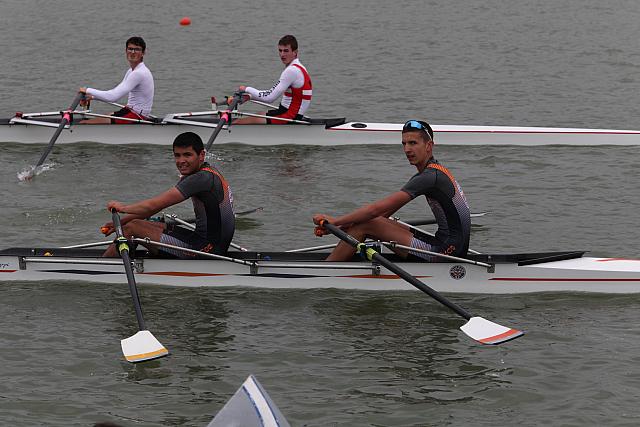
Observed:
{"x":294,"y":86}
{"x":137,"y":84}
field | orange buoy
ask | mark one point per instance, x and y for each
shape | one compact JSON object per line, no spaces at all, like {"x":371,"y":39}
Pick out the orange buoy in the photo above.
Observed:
{"x":185,"y":21}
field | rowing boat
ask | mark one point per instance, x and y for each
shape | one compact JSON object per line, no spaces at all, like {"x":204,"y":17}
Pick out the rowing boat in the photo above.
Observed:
{"x":481,"y":273}
{"x":250,"y":406}
{"x":31,"y":129}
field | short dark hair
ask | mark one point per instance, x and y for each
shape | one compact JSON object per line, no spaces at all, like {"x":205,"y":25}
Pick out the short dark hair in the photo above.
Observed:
{"x":189,"y":139}
{"x":138,"y":41}
{"x":288,"y":40}
{"x":418,"y":126}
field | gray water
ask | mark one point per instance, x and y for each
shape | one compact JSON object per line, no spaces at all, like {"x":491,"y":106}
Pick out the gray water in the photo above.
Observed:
{"x":330,"y":357}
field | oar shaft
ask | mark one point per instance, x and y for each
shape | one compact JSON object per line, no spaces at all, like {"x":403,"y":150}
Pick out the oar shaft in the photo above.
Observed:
{"x":115,"y":104}
{"x":225,"y":117}
{"x":123,"y":249}
{"x":133,"y":288}
{"x":66,"y":119}
{"x":262,"y":116}
{"x":433,"y":220}
{"x":413,"y":227}
{"x":418,"y":222}
{"x":338,"y":232}
{"x":264,"y":104}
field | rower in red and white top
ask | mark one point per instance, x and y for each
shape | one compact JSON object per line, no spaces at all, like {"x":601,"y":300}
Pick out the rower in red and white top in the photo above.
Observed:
{"x":137,"y":84}
{"x":294,"y":86}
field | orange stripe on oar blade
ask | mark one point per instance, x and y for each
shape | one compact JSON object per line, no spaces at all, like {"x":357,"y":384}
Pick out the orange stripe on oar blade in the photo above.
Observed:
{"x":486,"y":332}
{"x":145,"y":356}
{"x":506,"y":336}
{"x":142,"y":346}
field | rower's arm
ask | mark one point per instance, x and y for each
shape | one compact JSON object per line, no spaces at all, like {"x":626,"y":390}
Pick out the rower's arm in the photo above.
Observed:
{"x":287,"y":78}
{"x":384,"y":207}
{"x":130,"y":81}
{"x":148,"y":207}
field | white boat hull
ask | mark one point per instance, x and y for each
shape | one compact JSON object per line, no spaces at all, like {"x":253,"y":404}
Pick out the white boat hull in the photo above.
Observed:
{"x":352,"y":133}
{"x":584,"y":274}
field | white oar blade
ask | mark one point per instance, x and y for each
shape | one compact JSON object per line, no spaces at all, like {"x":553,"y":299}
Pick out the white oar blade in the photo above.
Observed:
{"x":142,"y":346}
{"x":487,"y":332}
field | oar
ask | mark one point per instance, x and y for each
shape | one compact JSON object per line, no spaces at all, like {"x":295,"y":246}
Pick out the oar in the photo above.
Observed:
{"x":249,"y":211}
{"x":143,"y":345}
{"x":478,"y":328}
{"x":433,"y":221}
{"x":225,"y":117}
{"x":66,"y":119}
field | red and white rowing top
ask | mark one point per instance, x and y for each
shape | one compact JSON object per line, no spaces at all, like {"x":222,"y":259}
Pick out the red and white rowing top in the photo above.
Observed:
{"x":294,"y":86}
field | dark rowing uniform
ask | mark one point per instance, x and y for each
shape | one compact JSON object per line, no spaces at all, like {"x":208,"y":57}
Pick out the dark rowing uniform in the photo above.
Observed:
{"x":450,"y":209}
{"x":213,"y":206}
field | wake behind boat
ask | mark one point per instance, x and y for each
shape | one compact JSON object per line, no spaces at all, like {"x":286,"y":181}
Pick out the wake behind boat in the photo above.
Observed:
{"x":37,"y":128}
{"x":480,"y":274}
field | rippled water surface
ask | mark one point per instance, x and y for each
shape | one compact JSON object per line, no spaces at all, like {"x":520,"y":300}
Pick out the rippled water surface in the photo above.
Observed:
{"x":330,"y":357}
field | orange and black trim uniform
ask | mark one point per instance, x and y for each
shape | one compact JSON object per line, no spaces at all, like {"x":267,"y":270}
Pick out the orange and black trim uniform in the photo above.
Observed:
{"x":450,"y":209}
{"x":213,"y":207}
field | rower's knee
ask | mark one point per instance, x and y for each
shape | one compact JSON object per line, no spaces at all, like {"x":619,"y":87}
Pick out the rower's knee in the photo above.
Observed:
{"x":130,"y":227}
{"x":367,"y":227}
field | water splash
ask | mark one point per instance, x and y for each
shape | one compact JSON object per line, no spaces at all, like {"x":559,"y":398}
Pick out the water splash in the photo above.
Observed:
{"x":29,"y":172}
{"x":214,"y":157}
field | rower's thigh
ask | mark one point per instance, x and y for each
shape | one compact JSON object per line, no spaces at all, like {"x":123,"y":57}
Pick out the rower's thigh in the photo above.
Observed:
{"x":141,"y":228}
{"x":387,"y":230}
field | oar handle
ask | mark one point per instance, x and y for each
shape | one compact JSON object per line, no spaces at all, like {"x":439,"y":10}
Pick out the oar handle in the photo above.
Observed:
{"x":373,"y":255}
{"x":225,"y":117}
{"x":122,"y":247}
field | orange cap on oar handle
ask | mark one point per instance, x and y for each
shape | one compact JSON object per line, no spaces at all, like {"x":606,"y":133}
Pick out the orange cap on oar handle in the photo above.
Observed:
{"x":319,"y":230}
{"x":104,"y":230}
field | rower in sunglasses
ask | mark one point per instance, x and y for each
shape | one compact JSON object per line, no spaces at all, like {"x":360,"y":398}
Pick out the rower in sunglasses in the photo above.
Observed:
{"x":444,"y":196}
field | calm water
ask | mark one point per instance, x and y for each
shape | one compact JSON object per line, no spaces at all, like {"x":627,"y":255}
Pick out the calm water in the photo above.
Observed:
{"x":330,"y":358}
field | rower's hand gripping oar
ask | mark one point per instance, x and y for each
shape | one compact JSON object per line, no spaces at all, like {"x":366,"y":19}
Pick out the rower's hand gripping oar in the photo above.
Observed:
{"x":225,"y":117}
{"x":143,"y":345}
{"x":66,"y":119}
{"x":481,"y":330}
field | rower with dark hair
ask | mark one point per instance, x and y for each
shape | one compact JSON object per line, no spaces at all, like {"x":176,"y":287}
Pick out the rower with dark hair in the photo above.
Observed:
{"x":212,"y":204}
{"x":294,"y":86}
{"x":137,"y":84}
{"x":444,"y":196}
